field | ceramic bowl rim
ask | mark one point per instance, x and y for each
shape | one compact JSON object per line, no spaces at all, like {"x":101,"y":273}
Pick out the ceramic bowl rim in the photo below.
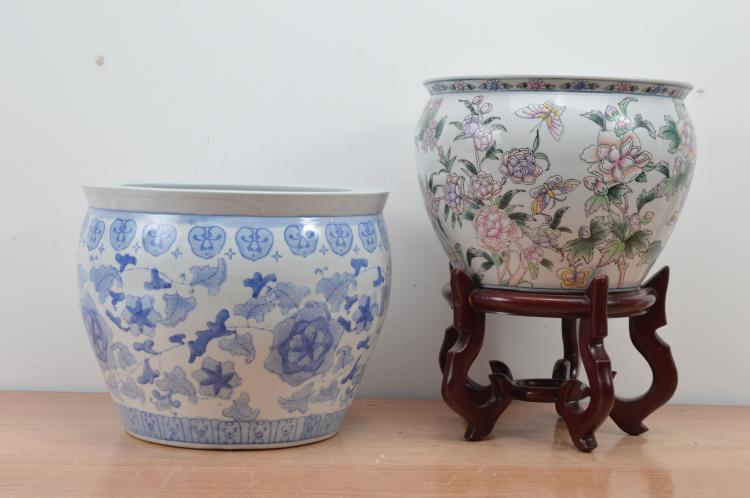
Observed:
{"x":268,"y":199}
{"x":526,"y":77}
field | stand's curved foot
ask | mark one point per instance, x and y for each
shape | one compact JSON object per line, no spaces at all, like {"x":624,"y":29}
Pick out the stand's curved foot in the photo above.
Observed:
{"x":479,"y":405}
{"x":629,"y":413}
{"x":582,"y":423}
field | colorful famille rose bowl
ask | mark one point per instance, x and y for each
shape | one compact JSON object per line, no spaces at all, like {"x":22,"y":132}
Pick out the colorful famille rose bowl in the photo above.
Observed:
{"x":233,"y":317}
{"x":546,"y":182}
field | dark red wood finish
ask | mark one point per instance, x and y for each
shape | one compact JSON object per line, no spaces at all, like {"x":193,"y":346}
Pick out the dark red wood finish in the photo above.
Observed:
{"x":584,"y":327}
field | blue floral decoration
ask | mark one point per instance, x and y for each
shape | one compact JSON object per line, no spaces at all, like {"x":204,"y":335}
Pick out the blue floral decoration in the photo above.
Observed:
{"x":207,"y":241}
{"x":95,"y":234}
{"x":99,"y":334}
{"x":303,"y":344}
{"x":217,"y":379}
{"x":158,"y":238}
{"x":140,"y":313}
{"x":121,"y":233}
{"x":254,"y":243}
{"x":368,"y":235}
{"x":339,"y":237}
{"x":301,"y":241}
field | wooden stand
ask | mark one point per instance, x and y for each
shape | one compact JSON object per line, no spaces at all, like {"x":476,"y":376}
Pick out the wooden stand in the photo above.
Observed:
{"x":584,"y":327}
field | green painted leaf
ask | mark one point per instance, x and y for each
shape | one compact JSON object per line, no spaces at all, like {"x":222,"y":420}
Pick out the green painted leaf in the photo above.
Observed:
{"x":487,"y":265}
{"x":446,"y":210}
{"x":663,"y":168}
{"x":473,"y":252}
{"x":597,"y":117}
{"x":595,"y":203}
{"x":547,"y":264}
{"x":521,"y":218}
{"x":557,"y":218}
{"x":579,"y":249}
{"x":490,"y":120}
{"x":617,"y":191}
{"x":653,"y":251}
{"x":639,"y":122}
{"x":439,"y":127}
{"x":637,"y":243}
{"x":645,"y":197}
{"x":469,"y":166}
{"x":460,"y":136}
{"x":503,"y":201}
{"x":623,"y":104}
{"x":458,"y":125}
{"x":669,"y":132}
{"x":535,"y":145}
{"x":641,"y":178}
{"x":612,"y":252}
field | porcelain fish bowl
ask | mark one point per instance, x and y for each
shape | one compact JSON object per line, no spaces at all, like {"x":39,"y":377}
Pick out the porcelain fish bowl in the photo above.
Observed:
{"x":546,"y":182}
{"x":233,"y":317}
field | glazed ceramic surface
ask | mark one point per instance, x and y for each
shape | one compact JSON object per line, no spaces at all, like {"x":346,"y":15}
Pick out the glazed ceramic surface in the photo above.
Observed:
{"x":545,"y":182}
{"x":233,"y":331}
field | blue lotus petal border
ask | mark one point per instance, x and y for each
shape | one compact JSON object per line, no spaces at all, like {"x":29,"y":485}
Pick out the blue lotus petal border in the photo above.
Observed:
{"x":229,"y":432}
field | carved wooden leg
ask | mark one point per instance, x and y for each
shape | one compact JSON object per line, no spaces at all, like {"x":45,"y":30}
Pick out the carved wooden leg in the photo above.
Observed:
{"x":480,"y":414}
{"x":629,"y":413}
{"x":478,"y":393}
{"x":567,"y":366}
{"x":582,"y":423}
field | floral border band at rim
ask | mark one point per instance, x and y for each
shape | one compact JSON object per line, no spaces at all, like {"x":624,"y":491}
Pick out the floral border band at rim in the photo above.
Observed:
{"x":210,"y":431}
{"x":541,"y":84}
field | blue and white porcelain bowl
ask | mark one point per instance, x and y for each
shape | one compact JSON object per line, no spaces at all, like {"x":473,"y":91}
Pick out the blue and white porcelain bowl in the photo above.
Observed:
{"x":233,"y":317}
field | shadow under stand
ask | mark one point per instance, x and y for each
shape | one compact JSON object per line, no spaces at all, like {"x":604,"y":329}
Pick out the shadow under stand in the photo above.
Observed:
{"x":584,"y":327}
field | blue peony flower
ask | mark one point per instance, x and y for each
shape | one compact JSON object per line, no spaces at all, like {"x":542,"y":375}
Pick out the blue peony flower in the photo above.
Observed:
{"x":217,"y":379}
{"x":140,"y":312}
{"x":304,"y":343}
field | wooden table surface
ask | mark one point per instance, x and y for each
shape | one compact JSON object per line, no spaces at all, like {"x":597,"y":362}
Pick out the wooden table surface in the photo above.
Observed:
{"x":70,"y":444}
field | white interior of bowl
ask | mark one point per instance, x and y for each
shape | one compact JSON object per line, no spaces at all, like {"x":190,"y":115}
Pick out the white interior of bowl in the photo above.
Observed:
{"x":238,"y":200}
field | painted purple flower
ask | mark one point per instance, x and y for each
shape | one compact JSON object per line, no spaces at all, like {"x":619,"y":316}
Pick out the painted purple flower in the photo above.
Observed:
{"x":453,"y":191}
{"x":536,"y":85}
{"x":492,"y":84}
{"x":472,"y":123}
{"x":635,"y":221}
{"x":520,"y":166}
{"x":483,"y":186}
{"x":656,"y":89}
{"x":429,"y":137}
{"x":579,"y":85}
{"x":687,"y":137}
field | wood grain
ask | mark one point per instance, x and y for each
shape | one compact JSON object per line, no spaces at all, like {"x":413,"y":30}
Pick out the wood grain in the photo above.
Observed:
{"x":72,"y":445}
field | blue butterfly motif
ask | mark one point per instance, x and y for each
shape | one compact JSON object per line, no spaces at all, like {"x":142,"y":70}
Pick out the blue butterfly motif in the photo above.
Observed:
{"x":368,"y":235}
{"x":339,"y":237}
{"x":121,"y":233}
{"x":302,"y":241}
{"x":254,"y":243}
{"x":95,"y":234}
{"x":158,"y":238}
{"x":207,"y":241}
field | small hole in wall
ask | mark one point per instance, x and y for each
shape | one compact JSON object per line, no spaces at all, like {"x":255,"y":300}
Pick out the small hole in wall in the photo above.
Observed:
{"x":99,"y":60}
{"x":700,"y":92}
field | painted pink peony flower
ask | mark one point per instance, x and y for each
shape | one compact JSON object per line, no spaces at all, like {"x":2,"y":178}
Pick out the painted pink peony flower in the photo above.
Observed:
{"x":494,"y":228}
{"x":536,"y":85}
{"x":622,"y":86}
{"x":616,"y":158}
{"x":477,"y":100}
{"x":595,"y":184}
{"x":520,"y":166}
{"x":483,"y":186}
{"x":482,"y":139}
{"x":453,"y":191}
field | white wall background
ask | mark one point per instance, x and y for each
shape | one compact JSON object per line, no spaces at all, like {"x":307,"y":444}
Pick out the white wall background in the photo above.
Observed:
{"x":329,"y":92}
